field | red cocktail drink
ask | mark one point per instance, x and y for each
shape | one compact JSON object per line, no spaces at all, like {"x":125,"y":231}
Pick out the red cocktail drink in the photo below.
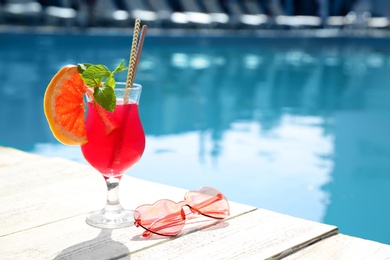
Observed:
{"x":115,"y":142}
{"x":113,"y":151}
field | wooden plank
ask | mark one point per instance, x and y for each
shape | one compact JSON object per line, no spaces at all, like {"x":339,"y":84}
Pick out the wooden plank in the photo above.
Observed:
{"x":343,"y":247}
{"x":260,"y":234}
{"x":41,"y":191}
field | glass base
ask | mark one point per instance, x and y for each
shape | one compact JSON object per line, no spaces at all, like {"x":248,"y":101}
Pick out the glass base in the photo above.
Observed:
{"x":104,"y":219}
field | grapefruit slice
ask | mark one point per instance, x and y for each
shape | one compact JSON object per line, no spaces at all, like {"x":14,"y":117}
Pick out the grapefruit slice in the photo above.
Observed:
{"x":64,"y":106}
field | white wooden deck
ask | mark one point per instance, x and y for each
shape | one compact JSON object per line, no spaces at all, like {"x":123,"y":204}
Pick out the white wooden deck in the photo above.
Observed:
{"x":43,"y":203}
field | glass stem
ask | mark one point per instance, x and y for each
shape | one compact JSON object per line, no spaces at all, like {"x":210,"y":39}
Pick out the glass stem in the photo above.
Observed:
{"x":113,"y":206}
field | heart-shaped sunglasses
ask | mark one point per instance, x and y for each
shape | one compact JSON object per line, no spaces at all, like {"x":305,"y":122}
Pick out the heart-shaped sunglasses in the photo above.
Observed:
{"x":167,"y":218}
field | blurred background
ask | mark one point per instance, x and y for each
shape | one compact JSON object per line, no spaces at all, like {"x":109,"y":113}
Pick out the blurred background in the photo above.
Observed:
{"x":280,"y":104}
{"x":209,"y":14}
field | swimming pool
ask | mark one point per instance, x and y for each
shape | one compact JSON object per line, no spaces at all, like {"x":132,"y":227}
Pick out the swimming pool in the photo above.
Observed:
{"x":294,"y":125}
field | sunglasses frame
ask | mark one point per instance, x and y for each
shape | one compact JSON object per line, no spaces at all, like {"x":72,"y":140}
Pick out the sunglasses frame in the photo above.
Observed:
{"x":170,"y":218}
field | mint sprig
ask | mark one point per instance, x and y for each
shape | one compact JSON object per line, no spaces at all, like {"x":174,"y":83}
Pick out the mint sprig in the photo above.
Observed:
{"x":94,"y":75}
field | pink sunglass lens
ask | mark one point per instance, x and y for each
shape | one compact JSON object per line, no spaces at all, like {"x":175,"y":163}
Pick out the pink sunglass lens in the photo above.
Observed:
{"x":209,"y":201}
{"x":165,"y":218}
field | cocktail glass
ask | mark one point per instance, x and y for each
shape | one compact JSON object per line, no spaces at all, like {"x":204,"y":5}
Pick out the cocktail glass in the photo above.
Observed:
{"x":116,"y":141}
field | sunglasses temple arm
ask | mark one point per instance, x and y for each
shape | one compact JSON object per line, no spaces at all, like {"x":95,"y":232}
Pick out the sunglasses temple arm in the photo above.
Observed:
{"x":207,"y":202}
{"x":166,"y":221}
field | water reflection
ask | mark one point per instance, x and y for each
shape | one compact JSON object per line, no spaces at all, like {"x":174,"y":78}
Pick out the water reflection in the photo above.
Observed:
{"x":297,"y":130}
{"x":361,"y":179}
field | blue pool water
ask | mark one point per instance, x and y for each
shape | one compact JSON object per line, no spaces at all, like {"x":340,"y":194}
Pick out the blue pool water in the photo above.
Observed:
{"x":297,"y":126}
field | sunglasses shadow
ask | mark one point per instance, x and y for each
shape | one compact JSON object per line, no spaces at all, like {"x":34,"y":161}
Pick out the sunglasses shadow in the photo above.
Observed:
{"x":192,"y":225}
